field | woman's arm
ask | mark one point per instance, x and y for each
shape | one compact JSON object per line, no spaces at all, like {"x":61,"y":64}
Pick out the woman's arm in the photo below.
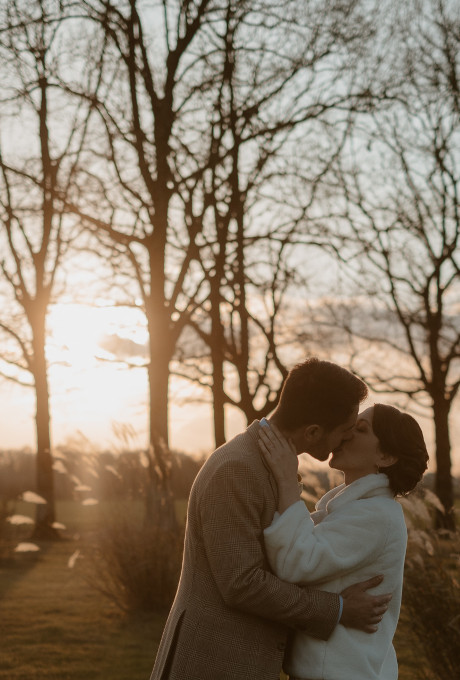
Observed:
{"x":301,"y":552}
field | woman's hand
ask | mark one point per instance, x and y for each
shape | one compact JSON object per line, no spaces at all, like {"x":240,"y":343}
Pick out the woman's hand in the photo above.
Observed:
{"x":281,"y":457}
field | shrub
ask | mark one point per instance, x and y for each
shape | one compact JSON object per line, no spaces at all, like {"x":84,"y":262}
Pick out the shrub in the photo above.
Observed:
{"x":431,"y":597}
{"x":135,"y":565}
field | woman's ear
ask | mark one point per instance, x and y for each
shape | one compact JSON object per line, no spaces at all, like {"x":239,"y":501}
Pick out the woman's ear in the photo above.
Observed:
{"x":386,"y":460}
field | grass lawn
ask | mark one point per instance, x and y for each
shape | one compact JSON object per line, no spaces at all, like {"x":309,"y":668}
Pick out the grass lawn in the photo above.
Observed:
{"x":54,"y":625}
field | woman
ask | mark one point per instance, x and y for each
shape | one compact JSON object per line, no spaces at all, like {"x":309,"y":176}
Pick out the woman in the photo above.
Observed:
{"x":357,"y":531}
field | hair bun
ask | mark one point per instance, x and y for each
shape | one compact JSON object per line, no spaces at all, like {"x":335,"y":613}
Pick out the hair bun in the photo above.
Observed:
{"x":400,"y":435}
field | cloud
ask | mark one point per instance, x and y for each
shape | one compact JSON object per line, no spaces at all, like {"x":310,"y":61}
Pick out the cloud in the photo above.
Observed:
{"x":123,"y":348}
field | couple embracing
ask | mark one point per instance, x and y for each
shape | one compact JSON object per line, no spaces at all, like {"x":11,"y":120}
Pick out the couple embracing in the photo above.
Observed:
{"x":264,"y":583}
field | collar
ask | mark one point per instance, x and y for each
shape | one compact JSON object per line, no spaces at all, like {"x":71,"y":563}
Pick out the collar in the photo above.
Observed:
{"x":365,"y":487}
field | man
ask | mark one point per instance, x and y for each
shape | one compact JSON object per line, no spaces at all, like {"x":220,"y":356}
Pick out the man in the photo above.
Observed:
{"x":231,"y":615}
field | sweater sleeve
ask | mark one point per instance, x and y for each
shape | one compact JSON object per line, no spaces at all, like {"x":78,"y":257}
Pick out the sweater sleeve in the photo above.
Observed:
{"x":300,"y":552}
{"x":231,"y":509}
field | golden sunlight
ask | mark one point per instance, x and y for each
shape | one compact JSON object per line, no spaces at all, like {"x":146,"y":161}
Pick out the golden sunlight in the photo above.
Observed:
{"x":79,"y":334}
{"x":88,"y":347}
{"x":74,"y":333}
{"x":87,"y":350}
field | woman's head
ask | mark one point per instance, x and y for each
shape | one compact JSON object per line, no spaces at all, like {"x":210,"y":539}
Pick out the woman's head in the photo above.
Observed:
{"x":388,"y":441}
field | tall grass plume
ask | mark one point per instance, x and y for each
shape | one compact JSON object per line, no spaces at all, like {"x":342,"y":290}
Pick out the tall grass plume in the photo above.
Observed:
{"x":136,"y":565}
{"x":431,"y":595}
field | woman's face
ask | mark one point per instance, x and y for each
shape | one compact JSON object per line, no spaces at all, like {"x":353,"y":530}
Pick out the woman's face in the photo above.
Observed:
{"x":360,"y":455}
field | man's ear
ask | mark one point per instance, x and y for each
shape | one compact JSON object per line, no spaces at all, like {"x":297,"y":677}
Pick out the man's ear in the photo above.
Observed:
{"x":313,"y":433}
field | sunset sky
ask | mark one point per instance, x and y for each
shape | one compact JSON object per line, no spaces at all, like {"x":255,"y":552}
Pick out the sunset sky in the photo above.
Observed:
{"x":91,"y":394}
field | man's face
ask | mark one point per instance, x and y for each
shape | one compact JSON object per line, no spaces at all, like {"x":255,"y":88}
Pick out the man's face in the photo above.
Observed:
{"x":361,"y":454}
{"x":332,"y":439}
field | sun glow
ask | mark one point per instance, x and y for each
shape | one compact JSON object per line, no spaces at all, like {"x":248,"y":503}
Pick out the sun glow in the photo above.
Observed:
{"x":87,"y":350}
{"x":91,"y":388}
{"x":76,"y":331}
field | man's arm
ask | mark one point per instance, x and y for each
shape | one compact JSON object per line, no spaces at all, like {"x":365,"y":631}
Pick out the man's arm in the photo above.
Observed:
{"x":231,"y":506}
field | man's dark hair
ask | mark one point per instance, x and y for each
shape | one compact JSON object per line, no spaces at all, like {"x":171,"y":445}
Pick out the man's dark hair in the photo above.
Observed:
{"x":318,"y":392}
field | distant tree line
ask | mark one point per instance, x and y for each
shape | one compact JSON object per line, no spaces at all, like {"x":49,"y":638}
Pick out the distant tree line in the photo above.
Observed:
{"x":208,"y":152}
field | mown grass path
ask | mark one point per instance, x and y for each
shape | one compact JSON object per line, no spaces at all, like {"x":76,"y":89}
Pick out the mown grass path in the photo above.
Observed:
{"x":54,"y":625}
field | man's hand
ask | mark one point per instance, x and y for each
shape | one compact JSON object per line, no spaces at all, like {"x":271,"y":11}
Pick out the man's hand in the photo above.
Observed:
{"x":361,"y":610}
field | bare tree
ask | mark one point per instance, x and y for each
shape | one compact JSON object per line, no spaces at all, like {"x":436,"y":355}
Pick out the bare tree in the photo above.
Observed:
{"x":139,"y":192}
{"x":161,"y":107}
{"x":400,"y":226}
{"x":42,"y":139}
{"x":273,"y":106}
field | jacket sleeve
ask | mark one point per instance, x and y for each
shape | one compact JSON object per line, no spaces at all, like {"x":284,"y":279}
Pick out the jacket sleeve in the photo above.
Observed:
{"x":301,"y":552}
{"x":231,"y":507}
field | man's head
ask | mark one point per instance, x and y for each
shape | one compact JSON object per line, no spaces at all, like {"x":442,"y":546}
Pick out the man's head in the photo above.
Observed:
{"x":318,"y":406}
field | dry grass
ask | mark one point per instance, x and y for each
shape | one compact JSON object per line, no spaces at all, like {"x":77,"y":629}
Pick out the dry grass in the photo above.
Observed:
{"x":137,"y":566}
{"x":53,"y":625}
{"x":432,"y":600}
{"x":428,"y":635}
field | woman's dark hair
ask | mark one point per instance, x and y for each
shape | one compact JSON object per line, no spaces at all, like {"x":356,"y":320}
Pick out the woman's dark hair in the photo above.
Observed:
{"x":318,"y":392}
{"x":400,"y":435}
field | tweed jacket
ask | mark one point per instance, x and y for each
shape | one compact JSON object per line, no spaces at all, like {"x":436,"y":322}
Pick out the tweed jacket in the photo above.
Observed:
{"x":231,"y":614}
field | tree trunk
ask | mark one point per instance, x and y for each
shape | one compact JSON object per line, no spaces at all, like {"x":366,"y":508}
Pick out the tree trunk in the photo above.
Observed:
{"x":218,"y":399}
{"x":443,"y":486}
{"x":45,"y":514}
{"x":217,"y":340}
{"x":160,"y":507}
{"x":158,"y":371}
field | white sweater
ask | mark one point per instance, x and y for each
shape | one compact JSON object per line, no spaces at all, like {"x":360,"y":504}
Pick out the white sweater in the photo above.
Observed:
{"x":360,"y":532}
